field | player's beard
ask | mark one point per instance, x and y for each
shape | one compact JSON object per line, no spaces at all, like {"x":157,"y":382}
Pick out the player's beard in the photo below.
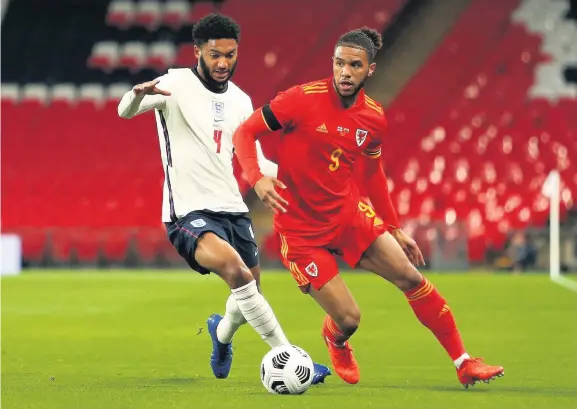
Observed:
{"x":353,"y":96}
{"x":211,"y":82}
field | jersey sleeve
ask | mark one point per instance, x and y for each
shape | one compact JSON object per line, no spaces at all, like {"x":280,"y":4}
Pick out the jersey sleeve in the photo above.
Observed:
{"x":131,"y":105}
{"x":285,"y":110}
{"x":374,"y":148}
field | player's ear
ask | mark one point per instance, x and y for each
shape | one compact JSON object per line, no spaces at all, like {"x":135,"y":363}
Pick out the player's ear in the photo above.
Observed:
{"x":372,"y":68}
{"x":196,"y":51}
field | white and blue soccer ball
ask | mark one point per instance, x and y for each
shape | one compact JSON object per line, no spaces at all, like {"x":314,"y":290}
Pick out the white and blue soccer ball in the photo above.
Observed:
{"x":287,"y":370}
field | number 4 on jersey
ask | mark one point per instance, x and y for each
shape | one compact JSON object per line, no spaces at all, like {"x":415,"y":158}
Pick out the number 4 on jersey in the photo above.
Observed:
{"x":217,"y":138}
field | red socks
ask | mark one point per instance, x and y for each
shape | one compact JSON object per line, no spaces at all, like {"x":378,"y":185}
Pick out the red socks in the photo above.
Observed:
{"x":333,"y":333}
{"x":434,"y":313}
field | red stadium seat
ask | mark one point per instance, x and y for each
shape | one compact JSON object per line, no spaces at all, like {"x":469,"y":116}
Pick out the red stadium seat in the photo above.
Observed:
{"x":148,"y":14}
{"x":161,"y":56}
{"x":10,"y":94}
{"x":175,"y":13}
{"x":120,"y":13}
{"x":104,"y":55}
{"x":133,"y":56}
{"x":63,"y":95}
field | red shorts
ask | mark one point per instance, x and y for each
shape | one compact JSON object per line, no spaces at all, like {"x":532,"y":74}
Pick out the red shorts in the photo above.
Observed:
{"x":311,"y":260}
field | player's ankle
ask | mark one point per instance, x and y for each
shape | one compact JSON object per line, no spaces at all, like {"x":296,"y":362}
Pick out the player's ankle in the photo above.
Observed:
{"x":459,"y":361}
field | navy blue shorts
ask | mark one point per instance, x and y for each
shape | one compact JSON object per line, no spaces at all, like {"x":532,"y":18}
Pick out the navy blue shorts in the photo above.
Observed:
{"x":235,"y":229}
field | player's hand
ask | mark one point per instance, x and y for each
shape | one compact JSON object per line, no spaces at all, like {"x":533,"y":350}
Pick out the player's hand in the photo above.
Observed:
{"x":265,"y":189}
{"x":410,"y":247}
{"x":149,"y":88}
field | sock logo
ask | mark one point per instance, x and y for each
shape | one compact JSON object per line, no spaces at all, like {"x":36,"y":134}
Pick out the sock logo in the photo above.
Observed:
{"x":312,"y":269}
{"x":444,"y":310}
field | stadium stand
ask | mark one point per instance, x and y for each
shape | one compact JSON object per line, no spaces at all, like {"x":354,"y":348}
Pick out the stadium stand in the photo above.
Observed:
{"x":489,"y":113}
{"x":107,"y":174}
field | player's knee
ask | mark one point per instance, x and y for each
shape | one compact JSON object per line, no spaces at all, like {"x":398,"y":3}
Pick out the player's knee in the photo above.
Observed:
{"x":235,"y":273}
{"x":350,"y":322}
{"x":408,"y":276}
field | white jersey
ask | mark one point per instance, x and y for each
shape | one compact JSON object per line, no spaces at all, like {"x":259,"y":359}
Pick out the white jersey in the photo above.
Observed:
{"x":195,"y":128}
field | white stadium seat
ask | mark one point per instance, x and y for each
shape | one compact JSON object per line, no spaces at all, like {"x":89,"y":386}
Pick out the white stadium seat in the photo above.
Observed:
{"x":116,"y":91}
{"x":104,"y":55}
{"x":120,"y":13}
{"x":175,"y":13}
{"x":10,"y":93}
{"x":148,"y":13}
{"x":133,"y":55}
{"x":161,"y":55}
{"x":63,"y":94}
{"x":91,"y":94}
{"x":35,"y":94}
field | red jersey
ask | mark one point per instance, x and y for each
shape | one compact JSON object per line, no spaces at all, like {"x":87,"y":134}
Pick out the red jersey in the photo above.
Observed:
{"x":320,"y":143}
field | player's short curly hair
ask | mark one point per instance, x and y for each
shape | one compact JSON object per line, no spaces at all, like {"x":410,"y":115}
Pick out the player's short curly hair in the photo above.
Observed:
{"x":213,"y":27}
{"x":365,"y":38}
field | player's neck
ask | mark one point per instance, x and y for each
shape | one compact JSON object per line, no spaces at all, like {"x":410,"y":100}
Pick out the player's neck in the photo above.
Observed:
{"x":209,"y":83}
{"x":346,"y":102}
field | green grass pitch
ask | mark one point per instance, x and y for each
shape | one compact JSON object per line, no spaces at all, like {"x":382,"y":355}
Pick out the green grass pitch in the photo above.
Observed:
{"x":116,"y":340}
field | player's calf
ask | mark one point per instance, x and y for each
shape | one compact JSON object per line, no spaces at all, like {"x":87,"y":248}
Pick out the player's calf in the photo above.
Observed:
{"x":386,"y":258}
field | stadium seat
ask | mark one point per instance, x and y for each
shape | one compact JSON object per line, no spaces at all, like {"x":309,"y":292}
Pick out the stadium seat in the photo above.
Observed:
{"x":91,"y":95}
{"x":34,"y":243}
{"x":161,"y":56}
{"x":175,"y":13}
{"x":133,"y":55}
{"x":120,"y":13}
{"x":86,"y":245}
{"x":35,"y":94}
{"x":63,"y":95}
{"x":148,"y":14}
{"x":116,"y":244}
{"x":61,"y":245}
{"x":10,"y":94}
{"x":104,"y":55}
{"x":115,"y":92}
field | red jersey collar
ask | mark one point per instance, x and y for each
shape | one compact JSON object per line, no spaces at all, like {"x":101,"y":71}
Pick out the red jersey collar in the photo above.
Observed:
{"x":337,"y":99}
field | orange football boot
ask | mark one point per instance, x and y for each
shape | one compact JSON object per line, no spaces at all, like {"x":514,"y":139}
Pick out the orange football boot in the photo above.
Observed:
{"x":474,"y":370}
{"x":344,"y":361}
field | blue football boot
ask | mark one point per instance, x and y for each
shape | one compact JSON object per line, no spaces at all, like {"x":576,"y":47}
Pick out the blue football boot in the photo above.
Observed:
{"x":221,"y":357}
{"x":321,"y":372}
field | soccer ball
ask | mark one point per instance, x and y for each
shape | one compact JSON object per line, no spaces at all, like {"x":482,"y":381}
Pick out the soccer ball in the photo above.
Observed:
{"x":286,"y":370}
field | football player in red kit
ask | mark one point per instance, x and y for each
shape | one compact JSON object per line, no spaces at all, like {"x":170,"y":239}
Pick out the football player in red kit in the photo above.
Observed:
{"x":331,"y":140}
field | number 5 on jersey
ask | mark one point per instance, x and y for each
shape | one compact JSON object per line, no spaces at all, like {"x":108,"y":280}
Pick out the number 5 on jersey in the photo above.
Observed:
{"x":335,"y":159}
{"x":217,"y":138}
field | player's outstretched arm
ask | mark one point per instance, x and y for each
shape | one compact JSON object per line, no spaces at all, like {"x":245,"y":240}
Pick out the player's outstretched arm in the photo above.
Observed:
{"x":141,"y":98}
{"x":378,"y":191}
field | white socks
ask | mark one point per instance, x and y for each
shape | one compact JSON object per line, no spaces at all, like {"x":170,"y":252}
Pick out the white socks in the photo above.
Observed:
{"x":231,"y":321}
{"x":459,"y":361}
{"x":258,"y":314}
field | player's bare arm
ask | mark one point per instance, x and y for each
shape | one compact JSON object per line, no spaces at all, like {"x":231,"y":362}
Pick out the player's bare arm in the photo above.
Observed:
{"x":244,"y":140}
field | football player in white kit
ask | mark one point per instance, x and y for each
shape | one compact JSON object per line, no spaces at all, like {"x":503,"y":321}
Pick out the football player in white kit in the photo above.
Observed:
{"x":197,"y":110}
